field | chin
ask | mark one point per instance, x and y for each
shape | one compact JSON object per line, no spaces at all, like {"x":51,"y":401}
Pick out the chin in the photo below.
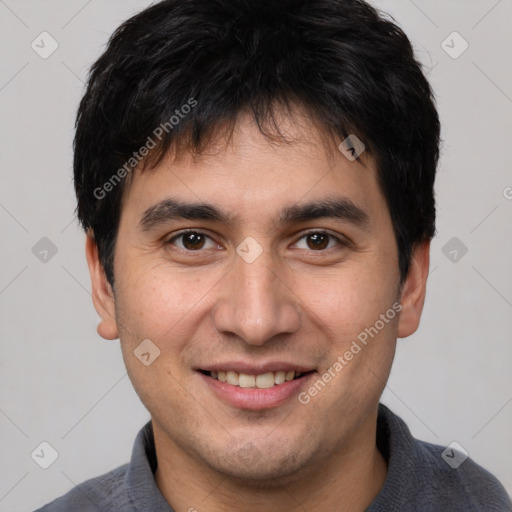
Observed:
{"x":262,"y":467}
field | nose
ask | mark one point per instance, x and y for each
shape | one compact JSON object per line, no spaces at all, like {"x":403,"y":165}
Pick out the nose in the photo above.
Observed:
{"x":255,"y":303}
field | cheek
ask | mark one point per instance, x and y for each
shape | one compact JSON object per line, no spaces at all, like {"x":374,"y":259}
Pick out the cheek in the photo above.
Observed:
{"x":166,"y":306}
{"x":162,"y":303}
{"x":358,"y":317}
{"x":156,"y":304}
{"x":344,"y":305}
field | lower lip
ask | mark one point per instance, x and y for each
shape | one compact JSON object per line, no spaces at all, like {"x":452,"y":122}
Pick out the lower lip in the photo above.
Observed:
{"x":256,"y":398}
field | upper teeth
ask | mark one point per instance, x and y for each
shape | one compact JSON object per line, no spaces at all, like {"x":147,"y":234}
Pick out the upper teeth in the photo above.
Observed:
{"x":263,"y":381}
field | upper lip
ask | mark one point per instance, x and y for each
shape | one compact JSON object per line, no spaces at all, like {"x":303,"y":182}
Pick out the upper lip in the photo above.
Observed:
{"x":256,"y":368}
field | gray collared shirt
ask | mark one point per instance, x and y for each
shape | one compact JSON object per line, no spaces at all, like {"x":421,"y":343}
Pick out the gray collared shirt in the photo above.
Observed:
{"x":418,"y":479}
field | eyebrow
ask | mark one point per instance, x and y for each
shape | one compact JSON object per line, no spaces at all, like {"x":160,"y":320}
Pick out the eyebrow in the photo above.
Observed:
{"x":339,"y":208}
{"x":172,"y":209}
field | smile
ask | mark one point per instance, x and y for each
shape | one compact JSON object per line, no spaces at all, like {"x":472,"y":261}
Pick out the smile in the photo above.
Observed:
{"x":262,"y":381}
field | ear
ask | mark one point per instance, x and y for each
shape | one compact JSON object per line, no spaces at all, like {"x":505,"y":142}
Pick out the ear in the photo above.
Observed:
{"x":413,"y":290}
{"x":102,"y":293}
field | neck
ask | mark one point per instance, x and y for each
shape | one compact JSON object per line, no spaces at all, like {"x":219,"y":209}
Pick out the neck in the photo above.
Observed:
{"x":348,"y":479}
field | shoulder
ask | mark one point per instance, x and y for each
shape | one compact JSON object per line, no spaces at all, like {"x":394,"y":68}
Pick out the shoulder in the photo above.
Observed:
{"x":104,"y":493}
{"x":425,"y":477}
{"x":458,"y":482}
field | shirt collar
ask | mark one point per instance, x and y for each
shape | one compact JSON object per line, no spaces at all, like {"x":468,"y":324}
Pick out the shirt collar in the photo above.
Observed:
{"x":140,"y":480}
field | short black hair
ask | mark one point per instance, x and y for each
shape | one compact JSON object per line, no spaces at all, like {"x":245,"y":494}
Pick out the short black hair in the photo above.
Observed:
{"x":180,"y":71}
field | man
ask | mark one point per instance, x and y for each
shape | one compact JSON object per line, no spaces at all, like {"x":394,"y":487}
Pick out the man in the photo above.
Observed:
{"x":255,"y":179}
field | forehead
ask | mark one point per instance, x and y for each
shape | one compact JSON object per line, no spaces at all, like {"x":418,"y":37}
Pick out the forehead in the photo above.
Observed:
{"x":248,"y":170}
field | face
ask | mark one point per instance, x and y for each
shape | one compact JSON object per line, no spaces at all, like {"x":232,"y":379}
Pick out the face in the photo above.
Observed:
{"x":256,"y":271}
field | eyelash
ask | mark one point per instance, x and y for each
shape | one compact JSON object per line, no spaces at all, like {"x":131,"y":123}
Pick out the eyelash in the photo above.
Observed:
{"x":340,"y":241}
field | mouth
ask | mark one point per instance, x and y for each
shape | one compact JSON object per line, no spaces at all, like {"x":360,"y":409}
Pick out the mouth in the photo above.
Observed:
{"x":266,"y":380}
{"x":247,"y":385}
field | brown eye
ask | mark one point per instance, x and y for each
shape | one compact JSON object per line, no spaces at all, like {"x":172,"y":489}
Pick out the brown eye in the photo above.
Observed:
{"x":192,"y":241}
{"x":317,"y":241}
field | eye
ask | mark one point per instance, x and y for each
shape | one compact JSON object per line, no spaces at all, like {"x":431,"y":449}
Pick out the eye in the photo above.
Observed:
{"x":318,"y":241}
{"x":192,"y":241}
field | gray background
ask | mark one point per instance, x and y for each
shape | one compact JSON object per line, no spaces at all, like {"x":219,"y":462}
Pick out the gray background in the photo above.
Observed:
{"x":61,"y":383}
